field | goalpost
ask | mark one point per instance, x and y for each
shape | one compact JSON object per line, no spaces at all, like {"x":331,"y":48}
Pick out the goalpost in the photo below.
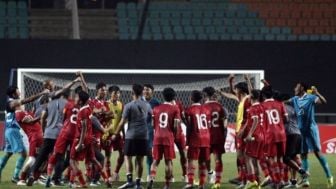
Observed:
{"x":30,"y":80}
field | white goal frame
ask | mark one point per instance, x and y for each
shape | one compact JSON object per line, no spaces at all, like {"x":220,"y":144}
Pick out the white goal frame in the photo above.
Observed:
{"x":137,"y":71}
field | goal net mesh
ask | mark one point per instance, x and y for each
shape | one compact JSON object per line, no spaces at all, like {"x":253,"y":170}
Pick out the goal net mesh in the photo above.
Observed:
{"x":31,"y":83}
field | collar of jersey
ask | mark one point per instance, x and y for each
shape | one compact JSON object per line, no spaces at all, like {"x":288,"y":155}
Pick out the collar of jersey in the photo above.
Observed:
{"x":269,"y":100}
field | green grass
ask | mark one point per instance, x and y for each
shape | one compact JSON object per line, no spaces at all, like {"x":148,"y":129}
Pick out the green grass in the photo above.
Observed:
{"x":317,"y":179}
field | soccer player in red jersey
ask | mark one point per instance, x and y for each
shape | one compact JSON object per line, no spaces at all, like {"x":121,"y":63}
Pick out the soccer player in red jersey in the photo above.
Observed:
{"x":102,"y":112}
{"x":275,"y":136}
{"x":217,"y":124}
{"x":166,"y":118}
{"x":180,"y":141}
{"x":198,"y":139}
{"x":82,"y":147}
{"x":31,"y":126}
{"x":255,"y":138}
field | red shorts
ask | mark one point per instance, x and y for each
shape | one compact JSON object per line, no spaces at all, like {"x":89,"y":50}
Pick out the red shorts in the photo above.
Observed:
{"x":86,"y":153}
{"x":240,"y":144}
{"x":217,"y":148}
{"x":198,"y":153}
{"x":161,"y":150}
{"x":62,"y":144}
{"x":180,"y":142}
{"x":34,"y":146}
{"x":276,"y":149}
{"x":254,"y":149}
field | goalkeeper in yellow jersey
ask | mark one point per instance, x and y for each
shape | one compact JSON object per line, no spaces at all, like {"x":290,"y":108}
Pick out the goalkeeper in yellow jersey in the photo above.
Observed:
{"x":116,"y":107}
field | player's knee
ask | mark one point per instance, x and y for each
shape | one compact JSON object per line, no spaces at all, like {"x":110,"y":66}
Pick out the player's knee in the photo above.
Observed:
{"x":31,"y":160}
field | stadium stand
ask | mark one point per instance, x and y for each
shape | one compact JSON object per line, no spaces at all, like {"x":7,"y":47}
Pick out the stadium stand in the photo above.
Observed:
{"x":280,"y":20}
{"x":14,"y":20}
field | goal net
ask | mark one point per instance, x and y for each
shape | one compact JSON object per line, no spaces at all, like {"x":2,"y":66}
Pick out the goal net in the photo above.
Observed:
{"x":182,"y":81}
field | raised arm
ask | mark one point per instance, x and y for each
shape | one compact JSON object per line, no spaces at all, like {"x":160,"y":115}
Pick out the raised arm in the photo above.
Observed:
{"x":83,"y":82}
{"x":67,"y":86}
{"x":18,"y":102}
{"x":249,"y":84}
{"x":228,"y":95}
{"x":231,"y":78}
{"x":320,"y":99}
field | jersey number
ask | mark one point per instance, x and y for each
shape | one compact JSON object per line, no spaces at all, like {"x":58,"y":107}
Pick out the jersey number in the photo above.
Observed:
{"x":73,"y":117}
{"x":273,"y":117}
{"x":163,"y":119}
{"x":215,"y":118}
{"x":201,"y":121}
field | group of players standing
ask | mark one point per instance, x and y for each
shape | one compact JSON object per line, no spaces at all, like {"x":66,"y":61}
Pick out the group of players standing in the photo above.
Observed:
{"x":68,"y":127}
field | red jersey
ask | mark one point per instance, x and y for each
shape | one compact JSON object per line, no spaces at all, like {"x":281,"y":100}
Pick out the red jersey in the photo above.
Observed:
{"x":85,"y":113}
{"x":256,"y":111}
{"x":198,"y":134}
{"x":163,"y":118}
{"x":274,"y":119}
{"x":99,"y":104}
{"x":179,"y":132}
{"x":33,"y":131}
{"x":70,"y":120}
{"x":215,"y":116}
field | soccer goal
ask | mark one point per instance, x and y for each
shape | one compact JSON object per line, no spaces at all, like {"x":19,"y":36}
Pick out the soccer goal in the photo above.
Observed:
{"x":183,"y":81}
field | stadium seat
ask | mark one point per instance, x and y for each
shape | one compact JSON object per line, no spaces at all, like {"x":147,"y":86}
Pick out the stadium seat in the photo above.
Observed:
{"x":12,"y":32}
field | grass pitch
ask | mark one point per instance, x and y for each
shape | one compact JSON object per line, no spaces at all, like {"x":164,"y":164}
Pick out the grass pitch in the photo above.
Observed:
{"x":317,"y":179}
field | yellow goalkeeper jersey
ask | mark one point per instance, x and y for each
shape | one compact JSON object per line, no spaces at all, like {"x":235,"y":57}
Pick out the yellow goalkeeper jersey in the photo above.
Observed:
{"x":240,"y":113}
{"x":117,"y":109}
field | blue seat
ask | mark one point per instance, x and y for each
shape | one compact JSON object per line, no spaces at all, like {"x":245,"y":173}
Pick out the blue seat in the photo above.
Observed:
{"x":291,"y":37}
{"x":168,"y":36}
{"x":269,"y":37}
{"x":202,"y":37}
{"x":237,"y":37}
{"x":177,"y":29}
{"x":12,"y":32}
{"x":247,"y":37}
{"x":157,"y":36}
{"x":280,"y":37}
{"x":220,"y":29}
{"x":325,"y":37}
{"x":258,"y":37}
{"x":124,"y":36}
{"x":188,"y":30}
{"x":214,"y":36}
{"x":180,"y":36}
{"x":166,"y":30}
{"x":314,"y":37}
{"x":225,"y":37}
{"x":191,"y":37}
{"x":23,"y":33}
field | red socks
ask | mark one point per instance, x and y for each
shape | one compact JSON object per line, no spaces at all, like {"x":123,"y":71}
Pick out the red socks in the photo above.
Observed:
{"x":219,"y":171}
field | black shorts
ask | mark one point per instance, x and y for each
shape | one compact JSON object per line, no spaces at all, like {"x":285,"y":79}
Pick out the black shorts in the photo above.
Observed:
{"x":293,"y":145}
{"x":135,"y":147}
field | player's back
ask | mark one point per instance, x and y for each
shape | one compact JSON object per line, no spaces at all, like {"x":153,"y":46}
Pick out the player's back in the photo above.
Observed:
{"x":257,"y":110}
{"x":85,"y":113}
{"x":215,"y":116}
{"x":164,"y":117}
{"x":198,"y":134}
{"x":274,"y":119}
{"x":70,"y":119}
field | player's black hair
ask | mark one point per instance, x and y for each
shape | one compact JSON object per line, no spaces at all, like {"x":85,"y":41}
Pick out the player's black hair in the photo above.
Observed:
{"x":242,"y":86}
{"x":100,"y":85}
{"x":169,"y":94}
{"x":255,"y":94}
{"x":66,"y":93}
{"x":11,"y":90}
{"x":209,"y":91}
{"x":267,"y":92}
{"x":78,"y":89}
{"x":277,"y":95}
{"x":113,"y":88}
{"x":196,"y":96}
{"x":149,"y":86}
{"x":304,"y":85}
{"x":44,"y":99}
{"x":137,"y":89}
{"x":83,"y":96}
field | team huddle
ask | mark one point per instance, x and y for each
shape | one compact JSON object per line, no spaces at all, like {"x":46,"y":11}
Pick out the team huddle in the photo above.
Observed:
{"x":66,"y":127}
